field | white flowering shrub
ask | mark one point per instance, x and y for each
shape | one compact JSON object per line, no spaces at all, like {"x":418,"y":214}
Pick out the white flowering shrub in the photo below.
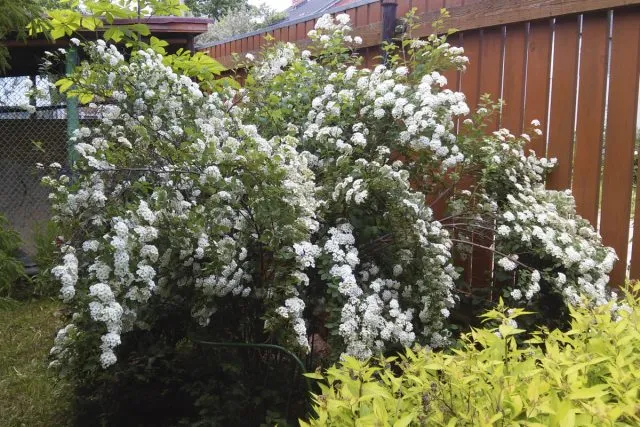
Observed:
{"x":299,"y":202}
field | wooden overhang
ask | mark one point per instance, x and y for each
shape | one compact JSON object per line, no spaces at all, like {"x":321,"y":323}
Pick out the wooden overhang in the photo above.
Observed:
{"x":179,"y":32}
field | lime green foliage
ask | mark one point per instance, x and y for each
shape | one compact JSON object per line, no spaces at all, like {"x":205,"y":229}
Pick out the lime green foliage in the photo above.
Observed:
{"x":29,"y":393}
{"x":100,"y":15}
{"x":11,"y":269}
{"x":588,"y":375}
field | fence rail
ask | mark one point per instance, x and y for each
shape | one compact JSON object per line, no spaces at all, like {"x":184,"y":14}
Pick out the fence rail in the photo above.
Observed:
{"x":572,"y":64}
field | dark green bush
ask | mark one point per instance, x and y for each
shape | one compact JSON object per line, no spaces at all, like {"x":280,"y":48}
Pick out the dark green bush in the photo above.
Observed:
{"x":166,"y":380}
{"x":11,"y":269}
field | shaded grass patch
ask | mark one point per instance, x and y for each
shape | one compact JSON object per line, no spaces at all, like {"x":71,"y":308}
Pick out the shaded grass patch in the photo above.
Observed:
{"x":30,"y":394}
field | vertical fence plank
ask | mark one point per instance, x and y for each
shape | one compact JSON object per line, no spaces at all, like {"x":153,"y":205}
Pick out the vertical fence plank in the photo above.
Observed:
{"x":470,"y":85}
{"x":490,"y":81}
{"x":309,"y":26}
{"x":404,"y":6}
{"x":514,"y":78}
{"x":353,"y":17}
{"x":471,"y":77}
{"x":375,"y":12}
{"x":537,"y":87}
{"x":434,"y":5}
{"x":292,"y":33}
{"x":362,"y":15}
{"x":620,"y":139}
{"x":590,"y":122}
{"x":420,"y":5}
{"x":300,"y":32}
{"x":563,"y":101}
{"x":449,"y":4}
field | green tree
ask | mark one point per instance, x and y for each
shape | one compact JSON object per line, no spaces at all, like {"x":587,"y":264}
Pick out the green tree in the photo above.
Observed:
{"x":214,"y":9}
{"x":15,"y":16}
{"x":245,"y":19}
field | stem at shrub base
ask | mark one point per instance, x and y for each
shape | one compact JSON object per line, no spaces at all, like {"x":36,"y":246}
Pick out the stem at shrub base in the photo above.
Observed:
{"x":289,"y":353}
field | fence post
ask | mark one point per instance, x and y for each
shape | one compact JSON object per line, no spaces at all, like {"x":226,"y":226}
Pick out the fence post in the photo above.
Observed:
{"x":388,"y":22}
{"x":73,"y":120}
{"x":388,"y":19}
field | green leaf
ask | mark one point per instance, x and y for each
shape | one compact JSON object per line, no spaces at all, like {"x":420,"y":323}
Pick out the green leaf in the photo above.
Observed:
{"x":64,"y":84}
{"x":58,"y":32}
{"x":590,"y":393}
{"x":114,"y":33}
{"x":405,"y":420}
{"x":314,"y":375}
{"x":85,"y":98}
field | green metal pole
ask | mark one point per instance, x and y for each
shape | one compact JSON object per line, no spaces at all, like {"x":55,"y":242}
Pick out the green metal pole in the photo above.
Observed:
{"x":73,"y":119}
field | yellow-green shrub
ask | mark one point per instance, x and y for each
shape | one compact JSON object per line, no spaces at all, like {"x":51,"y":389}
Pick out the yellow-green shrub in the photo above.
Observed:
{"x":588,"y":375}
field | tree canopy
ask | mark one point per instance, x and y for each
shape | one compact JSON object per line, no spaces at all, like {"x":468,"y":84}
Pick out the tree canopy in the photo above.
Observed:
{"x":214,"y":9}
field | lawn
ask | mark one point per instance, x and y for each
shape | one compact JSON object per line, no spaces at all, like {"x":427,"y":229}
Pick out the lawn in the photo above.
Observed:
{"x":30,"y":395}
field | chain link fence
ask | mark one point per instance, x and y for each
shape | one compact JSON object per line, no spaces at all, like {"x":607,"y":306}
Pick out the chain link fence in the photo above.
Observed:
{"x":33,"y":129}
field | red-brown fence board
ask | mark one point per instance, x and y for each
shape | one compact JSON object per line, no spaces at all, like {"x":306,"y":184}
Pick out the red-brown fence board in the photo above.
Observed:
{"x":375,"y":12}
{"x":563,"y":101}
{"x":590,"y":118}
{"x":515,"y":57}
{"x":620,"y":140}
{"x":362,"y":15}
{"x":490,"y":82}
{"x":352,"y":16}
{"x":538,"y":81}
{"x":491,"y":66}
{"x":471,"y":42}
{"x":403,"y":8}
{"x":420,"y":5}
{"x":435,"y":5}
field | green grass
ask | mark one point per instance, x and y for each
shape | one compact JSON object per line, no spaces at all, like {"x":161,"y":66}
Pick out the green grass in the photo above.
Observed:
{"x":30,"y":395}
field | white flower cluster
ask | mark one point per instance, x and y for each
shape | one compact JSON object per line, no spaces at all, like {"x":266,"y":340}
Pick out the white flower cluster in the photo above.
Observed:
{"x":534,"y":220}
{"x":104,"y":308}
{"x":328,"y":30}
{"x":293,"y":310}
{"x":275,"y":63}
{"x":67,"y":274}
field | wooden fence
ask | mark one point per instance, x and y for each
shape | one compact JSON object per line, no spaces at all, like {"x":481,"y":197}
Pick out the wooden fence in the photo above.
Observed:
{"x":572,"y":64}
